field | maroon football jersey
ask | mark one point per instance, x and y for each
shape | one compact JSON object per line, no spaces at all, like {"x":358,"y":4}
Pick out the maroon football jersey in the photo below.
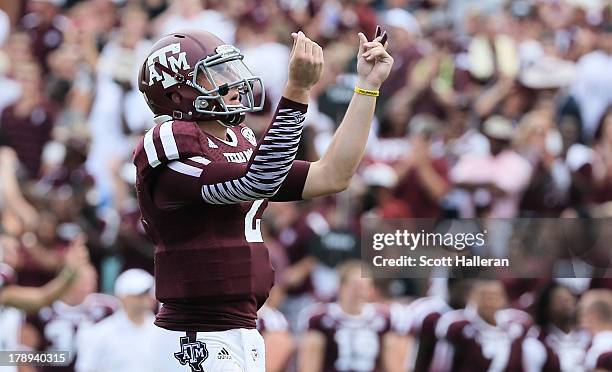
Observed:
{"x":59,"y":323}
{"x":202,"y":199}
{"x":469,"y":344}
{"x":599,"y":355}
{"x":556,"y":350}
{"x":352,"y":342}
{"x":425,"y":313}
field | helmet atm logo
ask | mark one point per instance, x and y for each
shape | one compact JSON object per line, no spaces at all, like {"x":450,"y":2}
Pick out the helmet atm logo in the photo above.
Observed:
{"x":177,"y":60}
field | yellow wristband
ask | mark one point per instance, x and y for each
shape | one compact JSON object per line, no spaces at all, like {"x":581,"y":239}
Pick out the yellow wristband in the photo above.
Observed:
{"x":366,"y":92}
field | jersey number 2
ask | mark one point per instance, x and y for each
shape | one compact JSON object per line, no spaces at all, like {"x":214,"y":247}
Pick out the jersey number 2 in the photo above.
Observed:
{"x":253,"y":234}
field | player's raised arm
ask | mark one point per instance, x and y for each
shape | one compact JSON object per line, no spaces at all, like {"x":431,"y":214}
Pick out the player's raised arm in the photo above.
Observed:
{"x":274,"y":155}
{"x":333,"y":172}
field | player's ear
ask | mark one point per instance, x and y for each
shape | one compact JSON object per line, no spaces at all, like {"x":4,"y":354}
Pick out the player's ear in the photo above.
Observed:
{"x":176,"y":98}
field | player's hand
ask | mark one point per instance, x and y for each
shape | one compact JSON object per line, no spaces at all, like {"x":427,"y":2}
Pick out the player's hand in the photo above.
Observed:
{"x":305,"y":63}
{"x":373,"y":62}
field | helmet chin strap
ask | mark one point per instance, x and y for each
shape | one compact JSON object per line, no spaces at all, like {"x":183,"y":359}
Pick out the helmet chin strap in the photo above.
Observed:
{"x":231,"y":120}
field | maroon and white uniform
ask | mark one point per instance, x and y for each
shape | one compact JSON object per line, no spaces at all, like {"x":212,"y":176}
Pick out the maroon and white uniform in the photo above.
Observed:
{"x":554,"y":350}
{"x":599,"y":355}
{"x":425,"y":313}
{"x":201,"y":199}
{"x":59,"y":323}
{"x":271,"y":320}
{"x":352,"y":342}
{"x":469,"y":344}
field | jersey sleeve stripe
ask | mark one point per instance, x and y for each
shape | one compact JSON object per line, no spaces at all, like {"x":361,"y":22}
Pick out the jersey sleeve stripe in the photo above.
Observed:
{"x":168,"y":141}
{"x":183,"y":168}
{"x":200,"y":159}
{"x":150,"y":150}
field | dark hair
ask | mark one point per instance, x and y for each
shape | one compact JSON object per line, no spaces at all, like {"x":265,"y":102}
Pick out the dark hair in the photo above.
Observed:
{"x":543,"y":301}
{"x":569,"y":108}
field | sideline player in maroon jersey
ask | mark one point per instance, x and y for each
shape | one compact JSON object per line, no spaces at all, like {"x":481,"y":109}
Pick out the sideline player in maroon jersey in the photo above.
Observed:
{"x":351,"y":334}
{"x":555,"y":342}
{"x":203,"y":182}
{"x":425,"y":313}
{"x":485,"y":336}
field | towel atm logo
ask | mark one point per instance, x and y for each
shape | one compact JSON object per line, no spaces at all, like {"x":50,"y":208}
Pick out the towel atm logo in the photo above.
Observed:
{"x":177,"y":60}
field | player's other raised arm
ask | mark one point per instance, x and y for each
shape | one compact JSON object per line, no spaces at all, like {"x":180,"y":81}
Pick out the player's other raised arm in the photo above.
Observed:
{"x":333,"y":172}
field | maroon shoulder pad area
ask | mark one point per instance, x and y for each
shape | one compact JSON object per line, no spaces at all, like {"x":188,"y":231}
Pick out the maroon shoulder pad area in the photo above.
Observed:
{"x":166,"y":142}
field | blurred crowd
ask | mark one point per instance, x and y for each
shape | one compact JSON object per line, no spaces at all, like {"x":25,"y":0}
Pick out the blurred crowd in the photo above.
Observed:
{"x":494,"y":109}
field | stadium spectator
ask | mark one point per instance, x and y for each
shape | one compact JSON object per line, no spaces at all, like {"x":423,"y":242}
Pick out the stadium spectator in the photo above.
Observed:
{"x":539,"y":141}
{"x":31,"y":299}
{"x":191,"y":14}
{"x":99,"y":347}
{"x":499,"y":179}
{"x":26,"y":125}
{"x":11,"y":198}
{"x":602,"y":171}
{"x":378,"y":200}
{"x":423,"y":175}
{"x":45,"y":24}
{"x":14,"y":298}
{"x":589,"y":88}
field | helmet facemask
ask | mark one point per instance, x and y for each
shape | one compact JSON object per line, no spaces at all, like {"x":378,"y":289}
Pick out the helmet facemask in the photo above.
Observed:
{"x":224,"y":72}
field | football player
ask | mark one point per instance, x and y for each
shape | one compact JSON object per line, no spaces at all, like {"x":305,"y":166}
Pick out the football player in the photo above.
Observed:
{"x":425,"y":313}
{"x":595,"y":311}
{"x":485,"y":336}
{"x":555,"y":343}
{"x":203,"y":181}
{"x":351,"y":334}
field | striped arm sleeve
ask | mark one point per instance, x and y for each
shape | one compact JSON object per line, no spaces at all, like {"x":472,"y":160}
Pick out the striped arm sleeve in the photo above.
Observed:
{"x":269,"y":164}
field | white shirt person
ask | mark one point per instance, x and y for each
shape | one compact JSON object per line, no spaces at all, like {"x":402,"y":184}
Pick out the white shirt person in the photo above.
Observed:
{"x":120,"y":342}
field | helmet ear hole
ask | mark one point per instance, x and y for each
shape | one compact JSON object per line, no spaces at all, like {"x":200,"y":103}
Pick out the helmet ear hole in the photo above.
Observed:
{"x":175,"y":97}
